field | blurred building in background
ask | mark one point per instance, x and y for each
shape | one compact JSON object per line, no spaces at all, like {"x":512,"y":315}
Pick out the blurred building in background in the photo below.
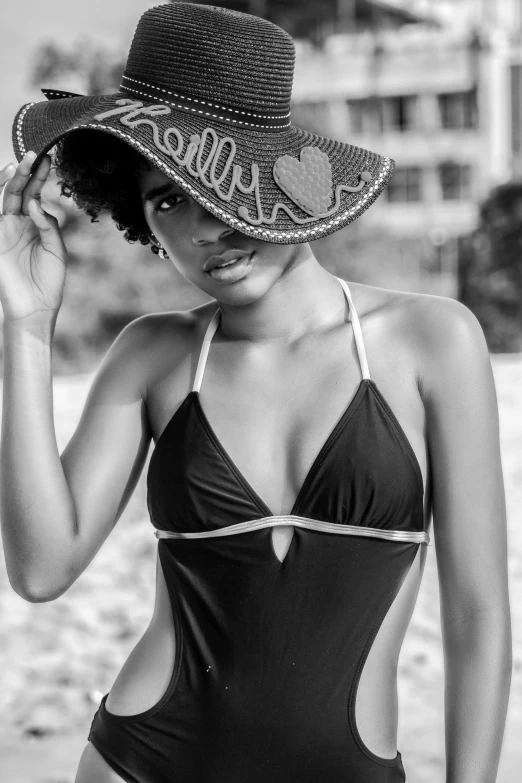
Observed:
{"x":435,"y":85}
{"x":441,"y":94}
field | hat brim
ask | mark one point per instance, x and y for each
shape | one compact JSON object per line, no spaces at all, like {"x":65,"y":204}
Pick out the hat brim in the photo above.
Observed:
{"x":293,"y":199}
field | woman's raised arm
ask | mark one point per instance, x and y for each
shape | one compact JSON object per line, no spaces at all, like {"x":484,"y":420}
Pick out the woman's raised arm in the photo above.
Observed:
{"x":469,"y":525}
{"x":57,"y":511}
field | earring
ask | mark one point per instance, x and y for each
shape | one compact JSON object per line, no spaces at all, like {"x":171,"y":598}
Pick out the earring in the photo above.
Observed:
{"x":162,"y":254}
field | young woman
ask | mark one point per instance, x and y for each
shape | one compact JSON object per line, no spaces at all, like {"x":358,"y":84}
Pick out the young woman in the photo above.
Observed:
{"x":305,"y":430}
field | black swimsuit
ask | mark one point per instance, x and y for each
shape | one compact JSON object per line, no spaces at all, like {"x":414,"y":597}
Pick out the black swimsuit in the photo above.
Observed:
{"x":269,"y":653}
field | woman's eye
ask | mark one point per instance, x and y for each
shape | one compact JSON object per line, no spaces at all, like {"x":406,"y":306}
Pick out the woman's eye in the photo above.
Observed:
{"x":166,"y":200}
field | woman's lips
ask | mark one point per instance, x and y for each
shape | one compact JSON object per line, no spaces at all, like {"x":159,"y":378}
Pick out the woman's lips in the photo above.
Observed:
{"x":231,"y":270}
{"x":222,"y":259}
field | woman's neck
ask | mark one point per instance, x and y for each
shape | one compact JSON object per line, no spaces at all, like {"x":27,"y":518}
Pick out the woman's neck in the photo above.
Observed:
{"x":306,"y":297}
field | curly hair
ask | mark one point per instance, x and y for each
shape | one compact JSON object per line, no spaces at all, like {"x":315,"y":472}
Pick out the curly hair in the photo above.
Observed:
{"x":99,"y":172}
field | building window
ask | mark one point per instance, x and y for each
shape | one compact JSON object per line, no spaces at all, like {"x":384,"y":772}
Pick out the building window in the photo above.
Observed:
{"x":314,"y":116}
{"x":458,"y":110}
{"x":405,"y":184}
{"x":455,"y":180}
{"x":379,"y":115}
{"x":400,"y":113}
{"x":364,"y":115}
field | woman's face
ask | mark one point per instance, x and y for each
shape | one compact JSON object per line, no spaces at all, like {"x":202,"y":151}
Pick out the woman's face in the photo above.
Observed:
{"x":198,"y":243}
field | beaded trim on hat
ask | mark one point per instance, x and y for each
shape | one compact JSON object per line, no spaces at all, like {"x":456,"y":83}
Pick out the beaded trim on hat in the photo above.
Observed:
{"x":18,"y":137}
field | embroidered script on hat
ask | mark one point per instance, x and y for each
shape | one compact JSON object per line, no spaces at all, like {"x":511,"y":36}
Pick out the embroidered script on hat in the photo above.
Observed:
{"x":307,"y":182}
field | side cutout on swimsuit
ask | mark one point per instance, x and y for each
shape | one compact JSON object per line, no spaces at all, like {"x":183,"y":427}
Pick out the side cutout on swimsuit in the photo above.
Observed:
{"x":150,"y":673}
{"x":374,"y":685}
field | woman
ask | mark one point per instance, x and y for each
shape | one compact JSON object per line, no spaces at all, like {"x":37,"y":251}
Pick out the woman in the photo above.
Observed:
{"x":304,"y":431}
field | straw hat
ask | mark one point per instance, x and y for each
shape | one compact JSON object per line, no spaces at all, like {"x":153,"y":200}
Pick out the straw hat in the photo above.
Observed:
{"x":205,"y":97}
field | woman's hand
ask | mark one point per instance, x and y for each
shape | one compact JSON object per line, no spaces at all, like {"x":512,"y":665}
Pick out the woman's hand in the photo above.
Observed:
{"x":32,"y":253}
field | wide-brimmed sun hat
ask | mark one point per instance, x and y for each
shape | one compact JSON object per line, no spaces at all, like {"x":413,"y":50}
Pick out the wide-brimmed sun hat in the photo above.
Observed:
{"x":205,"y":97}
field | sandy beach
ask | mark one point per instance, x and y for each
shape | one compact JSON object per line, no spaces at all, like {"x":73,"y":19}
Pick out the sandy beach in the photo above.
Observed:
{"x":59,"y":658}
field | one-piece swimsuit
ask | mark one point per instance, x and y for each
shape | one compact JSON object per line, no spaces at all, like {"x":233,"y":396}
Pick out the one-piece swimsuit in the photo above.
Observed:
{"x":269,"y":651}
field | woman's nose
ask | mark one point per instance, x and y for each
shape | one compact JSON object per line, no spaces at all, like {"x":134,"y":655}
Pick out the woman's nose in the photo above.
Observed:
{"x":207,"y":228}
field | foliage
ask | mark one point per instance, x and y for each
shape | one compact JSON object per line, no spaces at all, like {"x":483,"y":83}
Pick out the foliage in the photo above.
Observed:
{"x":89,"y":69}
{"x":490,"y":273}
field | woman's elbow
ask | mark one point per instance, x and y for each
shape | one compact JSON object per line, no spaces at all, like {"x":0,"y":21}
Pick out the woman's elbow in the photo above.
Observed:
{"x":37,"y":593}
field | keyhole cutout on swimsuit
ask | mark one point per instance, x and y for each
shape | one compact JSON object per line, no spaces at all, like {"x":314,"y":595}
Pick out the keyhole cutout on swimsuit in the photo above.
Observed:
{"x":281,"y":539}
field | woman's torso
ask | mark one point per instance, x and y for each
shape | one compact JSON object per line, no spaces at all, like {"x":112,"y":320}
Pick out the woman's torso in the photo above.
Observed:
{"x":272,"y":409}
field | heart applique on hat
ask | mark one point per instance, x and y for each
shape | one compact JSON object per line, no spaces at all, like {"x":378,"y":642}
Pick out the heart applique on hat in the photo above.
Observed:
{"x":307,"y":181}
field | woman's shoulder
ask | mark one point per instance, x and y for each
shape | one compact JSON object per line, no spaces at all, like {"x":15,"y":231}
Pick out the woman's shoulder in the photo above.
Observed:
{"x":427,"y":318}
{"x":440,"y":335}
{"x":178,"y":327}
{"x":156,"y":342}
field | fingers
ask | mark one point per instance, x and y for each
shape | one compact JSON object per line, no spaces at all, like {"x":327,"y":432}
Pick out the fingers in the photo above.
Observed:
{"x":21,"y":195}
{"x":48,"y":227}
{"x":5,"y":175}
{"x":34,"y":187}
{"x":14,"y":189}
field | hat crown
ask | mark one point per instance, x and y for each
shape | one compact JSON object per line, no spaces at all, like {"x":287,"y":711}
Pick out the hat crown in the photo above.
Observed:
{"x":215,"y":55}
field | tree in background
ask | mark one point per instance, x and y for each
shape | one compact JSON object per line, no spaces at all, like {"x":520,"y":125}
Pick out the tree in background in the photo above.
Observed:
{"x":94,"y":70}
{"x":490,"y":274}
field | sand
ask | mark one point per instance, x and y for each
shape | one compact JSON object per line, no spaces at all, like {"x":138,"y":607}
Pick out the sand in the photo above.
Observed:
{"x":59,"y":658}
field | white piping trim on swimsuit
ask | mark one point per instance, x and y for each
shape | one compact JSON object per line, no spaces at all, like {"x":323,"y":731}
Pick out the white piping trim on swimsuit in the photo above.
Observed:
{"x":214,"y":323}
{"x":409,"y":536}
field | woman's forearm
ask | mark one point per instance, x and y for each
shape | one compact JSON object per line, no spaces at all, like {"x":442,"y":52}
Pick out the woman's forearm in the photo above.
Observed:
{"x":478,"y":661}
{"x":37,"y":511}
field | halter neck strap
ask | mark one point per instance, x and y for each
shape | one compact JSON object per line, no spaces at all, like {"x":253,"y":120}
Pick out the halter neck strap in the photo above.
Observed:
{"x":214,"y":323}
{"x":357,"y":331}
{"x":203,"y":354}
